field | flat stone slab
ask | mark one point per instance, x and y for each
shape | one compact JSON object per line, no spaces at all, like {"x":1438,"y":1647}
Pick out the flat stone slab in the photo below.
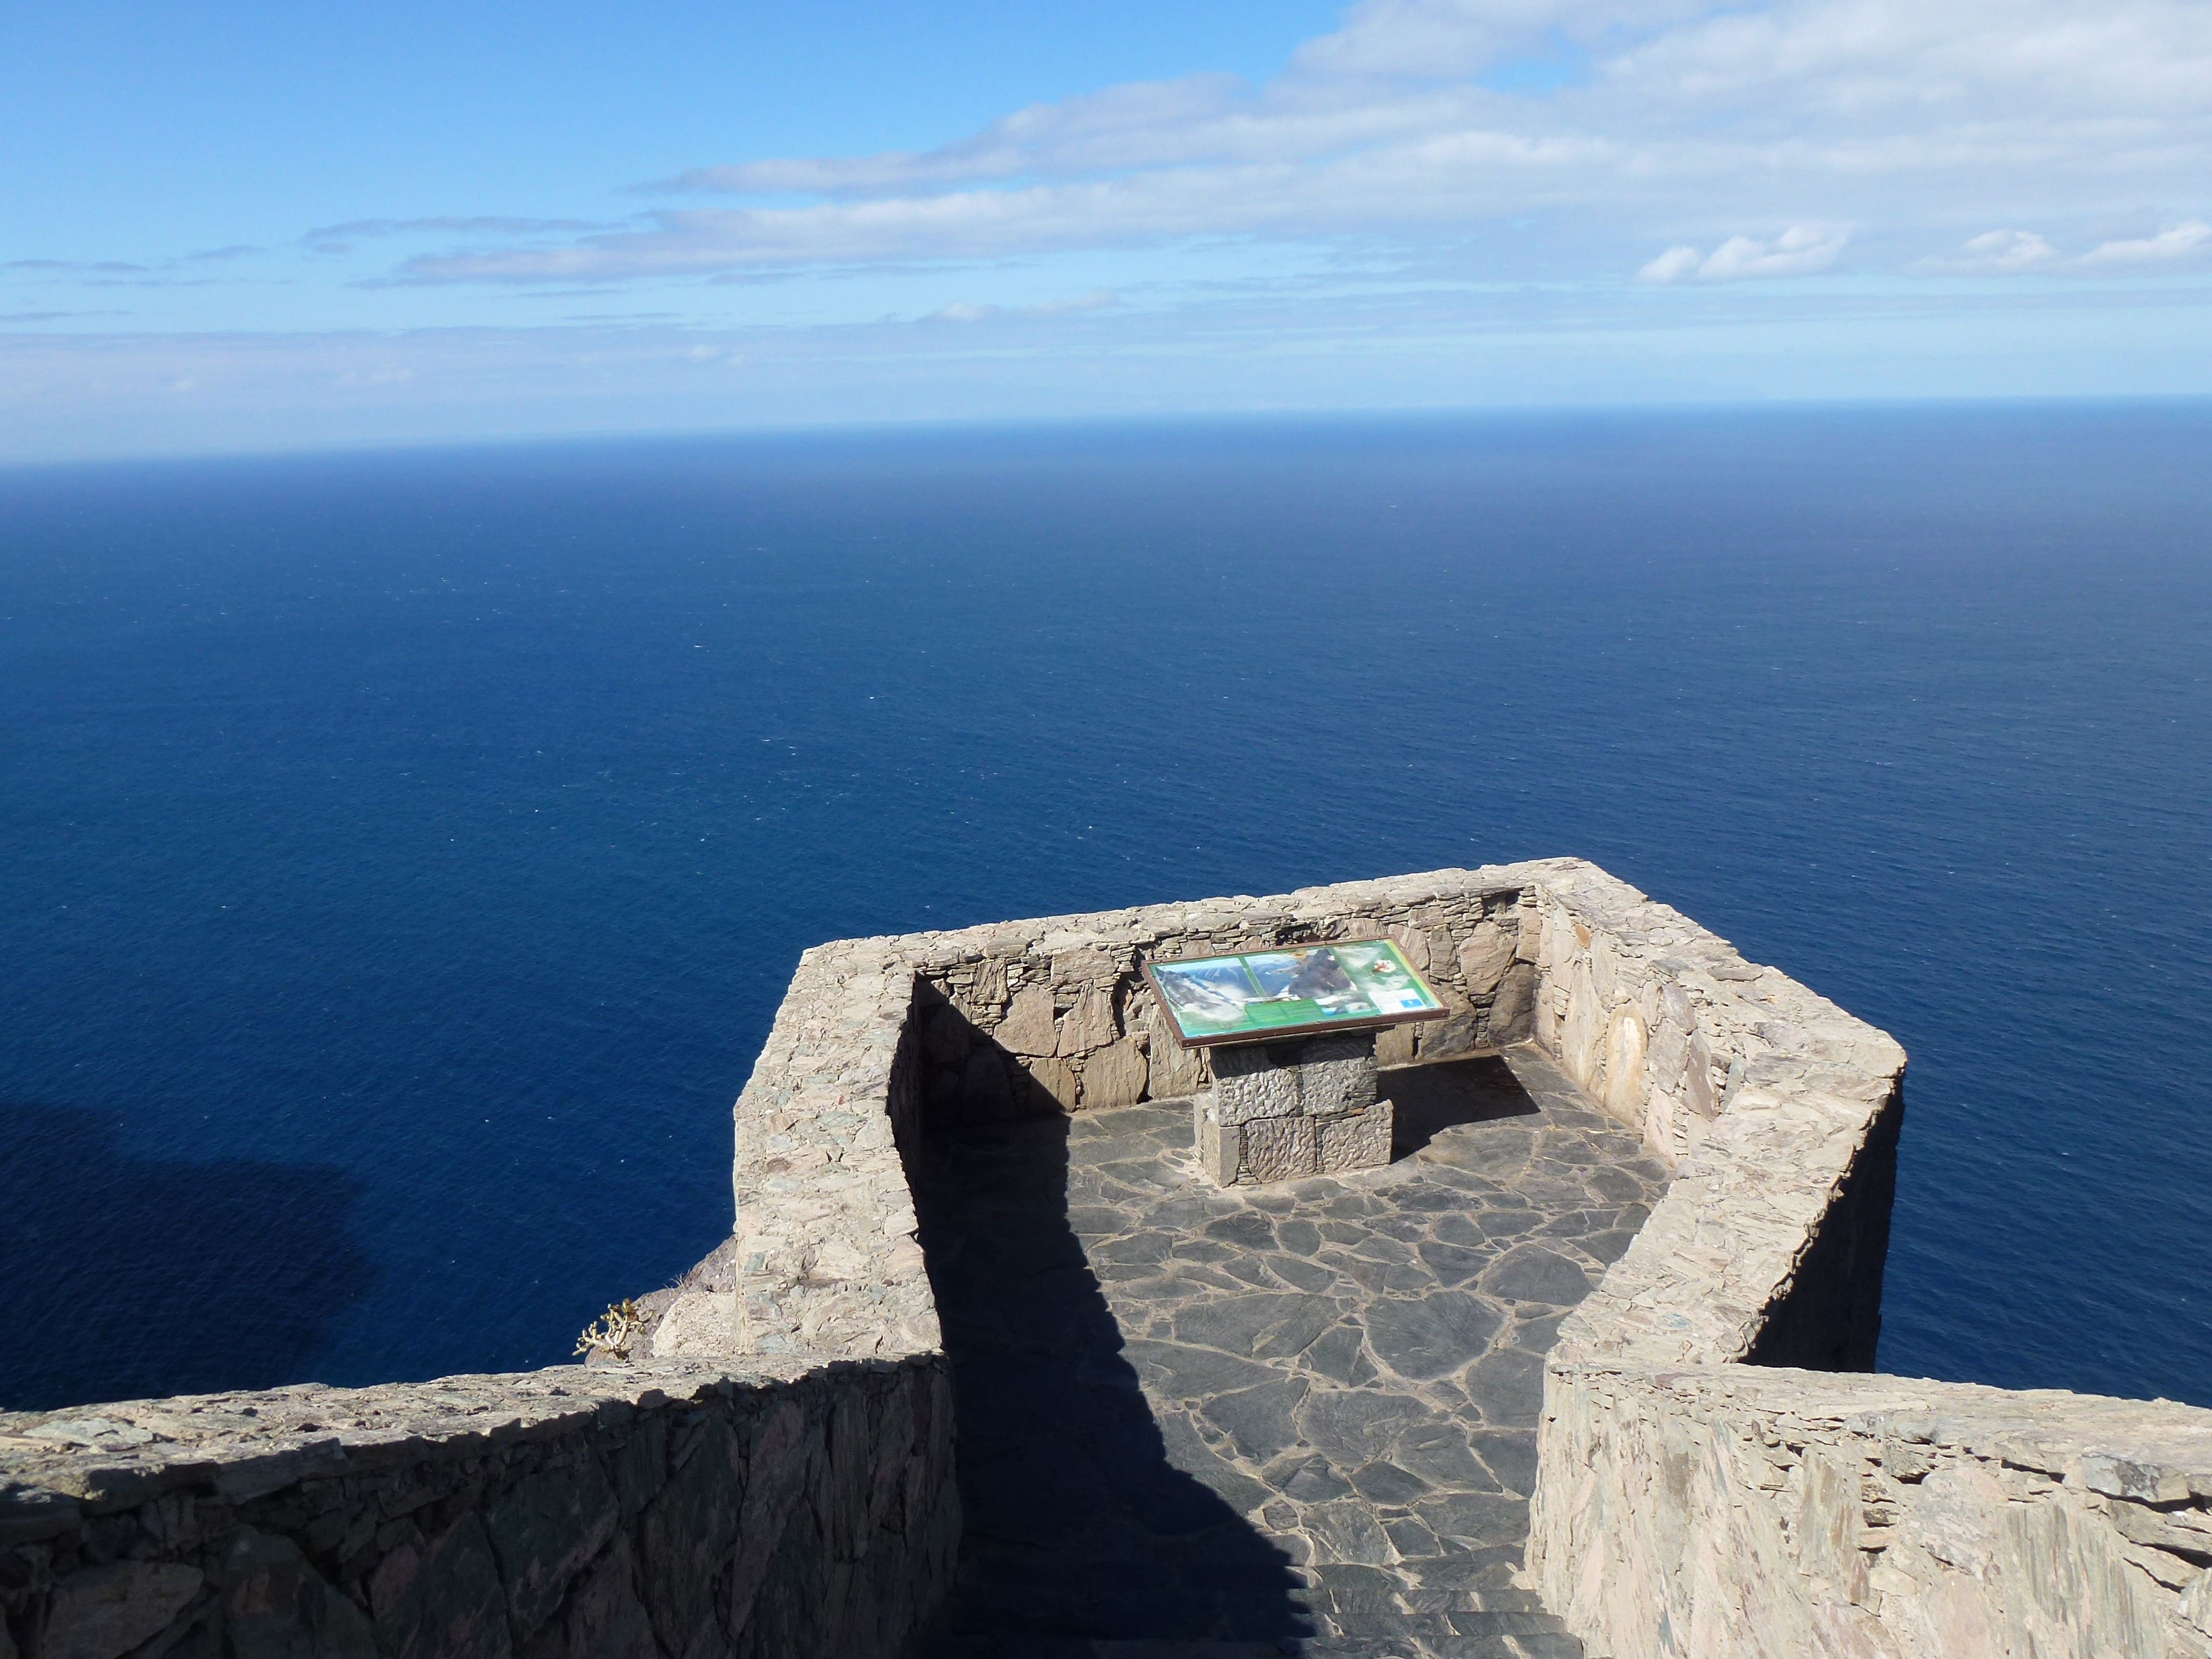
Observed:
{"x":1302,"y":1414}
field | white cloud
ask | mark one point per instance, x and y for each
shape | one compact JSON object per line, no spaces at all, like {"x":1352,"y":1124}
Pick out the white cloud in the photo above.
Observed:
{"x":962,"y":311}
{"x":1385,"y":188}
{"x":1730,"y":139}
{"x":1995,"y":252}
{"x":1099,"y":298}
{"x":2176,"y":243}
{"x":492,"y":223}
{"x":71,"y":267}
{"x":1442,"y":39}
{"x":1797,"y":252}
{"x":1386,"y":132}
{"x":107,"y":394}
{"x":1675,"y":263}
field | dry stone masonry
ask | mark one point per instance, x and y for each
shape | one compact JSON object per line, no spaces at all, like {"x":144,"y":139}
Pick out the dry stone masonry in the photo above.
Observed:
{"x":1697,"y":1493}
{"x":648,"y":1510}
{"x":772,"y":1470}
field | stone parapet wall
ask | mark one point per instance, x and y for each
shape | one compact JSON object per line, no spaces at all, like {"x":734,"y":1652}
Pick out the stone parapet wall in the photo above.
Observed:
{"x":1769,"y":1101}
{"x":1777,"y":1111}
{"x":1693,"y":1499}
{"x":1053,"y":1014}
{"x":630,"y":1512}
{"x":823,"y":1260}
{"x":1743,"y":1512}
{"x":674,"y":1505}
{"x":670,"y":1507}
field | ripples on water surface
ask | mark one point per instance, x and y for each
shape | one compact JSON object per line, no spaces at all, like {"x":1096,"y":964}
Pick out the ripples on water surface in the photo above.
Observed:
{"x":401,"y":856}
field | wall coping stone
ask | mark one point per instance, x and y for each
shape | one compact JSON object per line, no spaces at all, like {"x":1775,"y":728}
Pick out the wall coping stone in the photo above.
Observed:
{"x":120,"y":1454}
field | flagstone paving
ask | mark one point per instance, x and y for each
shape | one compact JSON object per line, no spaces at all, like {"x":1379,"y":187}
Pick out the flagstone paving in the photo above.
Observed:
{"x":1292,"y":1419}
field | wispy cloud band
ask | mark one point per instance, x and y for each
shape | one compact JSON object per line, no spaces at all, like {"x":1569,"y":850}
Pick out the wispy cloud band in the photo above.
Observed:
{"x":1740,"y":128}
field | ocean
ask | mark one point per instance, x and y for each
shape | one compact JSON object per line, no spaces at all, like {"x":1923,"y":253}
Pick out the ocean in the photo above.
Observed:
{"x":402,"y":855}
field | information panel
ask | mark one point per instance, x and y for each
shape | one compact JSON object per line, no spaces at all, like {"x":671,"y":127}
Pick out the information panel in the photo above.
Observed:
{"x":1297,"y":991}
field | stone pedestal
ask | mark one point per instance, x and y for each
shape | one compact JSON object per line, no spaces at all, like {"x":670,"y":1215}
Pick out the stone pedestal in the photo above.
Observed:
{"x":1279,"y":1111}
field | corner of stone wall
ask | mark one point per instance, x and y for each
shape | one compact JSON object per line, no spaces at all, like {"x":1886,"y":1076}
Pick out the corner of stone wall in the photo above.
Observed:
{"x":772,"y":1476}
{"x":1692,"y":1497}
{"x":1687,"y":1501}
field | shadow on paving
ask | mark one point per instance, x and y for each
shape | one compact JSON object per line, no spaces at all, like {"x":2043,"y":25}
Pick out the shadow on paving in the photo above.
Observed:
{"x":1077,"y":1526}
{"x":1427,"y":1100}
{"x":1300,"y":1418}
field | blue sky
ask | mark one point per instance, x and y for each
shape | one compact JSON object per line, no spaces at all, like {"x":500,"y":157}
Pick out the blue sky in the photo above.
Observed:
{"x":239,"y":227}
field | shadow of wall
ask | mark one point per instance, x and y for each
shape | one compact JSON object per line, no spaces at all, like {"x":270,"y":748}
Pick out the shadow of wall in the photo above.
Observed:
{"x":1077,"y":1526}
{"x":963,"y":1077}
{"x":1433,"y":1096}
{"x":1830,"y":1317}
{"x":135,"y":1277}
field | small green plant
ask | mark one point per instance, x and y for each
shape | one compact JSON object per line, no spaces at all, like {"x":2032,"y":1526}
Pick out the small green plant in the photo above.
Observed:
{"x":613,"y":1332}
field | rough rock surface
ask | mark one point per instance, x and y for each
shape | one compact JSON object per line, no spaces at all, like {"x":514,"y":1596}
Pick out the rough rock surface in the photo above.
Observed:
{"x":1688,"y":1502}
{"x":650,"y":1510}
{"x":1748,"y":1511}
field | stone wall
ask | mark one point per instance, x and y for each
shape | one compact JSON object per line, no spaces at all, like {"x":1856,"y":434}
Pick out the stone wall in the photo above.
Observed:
{"x":1055,"y":1014}
{"x":772,"y":1480}
{"x":1780,"y":1113}
{"x":823,"y":1260}
{"x":625,"y":1512}
{"x":1738,"y":1512}
{"x":678,"y":1504}
{"x":1693,"y":1499}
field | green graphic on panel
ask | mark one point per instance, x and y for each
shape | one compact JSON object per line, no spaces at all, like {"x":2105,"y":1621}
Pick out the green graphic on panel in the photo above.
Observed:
{"x":1297,"y":990}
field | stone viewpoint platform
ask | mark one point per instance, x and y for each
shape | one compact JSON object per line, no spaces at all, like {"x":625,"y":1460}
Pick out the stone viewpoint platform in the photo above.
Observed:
{"x":971,"y":1269}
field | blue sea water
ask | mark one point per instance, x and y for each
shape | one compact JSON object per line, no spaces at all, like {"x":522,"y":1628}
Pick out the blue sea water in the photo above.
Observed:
{"x":402,"y":855}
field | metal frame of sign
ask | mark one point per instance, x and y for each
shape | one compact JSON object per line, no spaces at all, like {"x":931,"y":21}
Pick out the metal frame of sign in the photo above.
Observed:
{"x":1374,"y":1021}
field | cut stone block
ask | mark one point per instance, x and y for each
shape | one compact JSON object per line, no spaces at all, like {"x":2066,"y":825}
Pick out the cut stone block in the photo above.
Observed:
{"x":1115,"y":1075}
{"x":1028,"y":1028}
{"x":1220,"y":1147}
{"x":1279,"y":1148}
{"x":1055,"y":1079}
{"x":1176,"y":1070}
{"x":1315,"y":1077}
{"x":1453,"y":1035}
{"x":1246,"y":1084}
{"x":1361,"y":1141}
{"x":1394,"y":1046}
{"x":1509,"y":1020}
{"x":1337,"y":1088}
